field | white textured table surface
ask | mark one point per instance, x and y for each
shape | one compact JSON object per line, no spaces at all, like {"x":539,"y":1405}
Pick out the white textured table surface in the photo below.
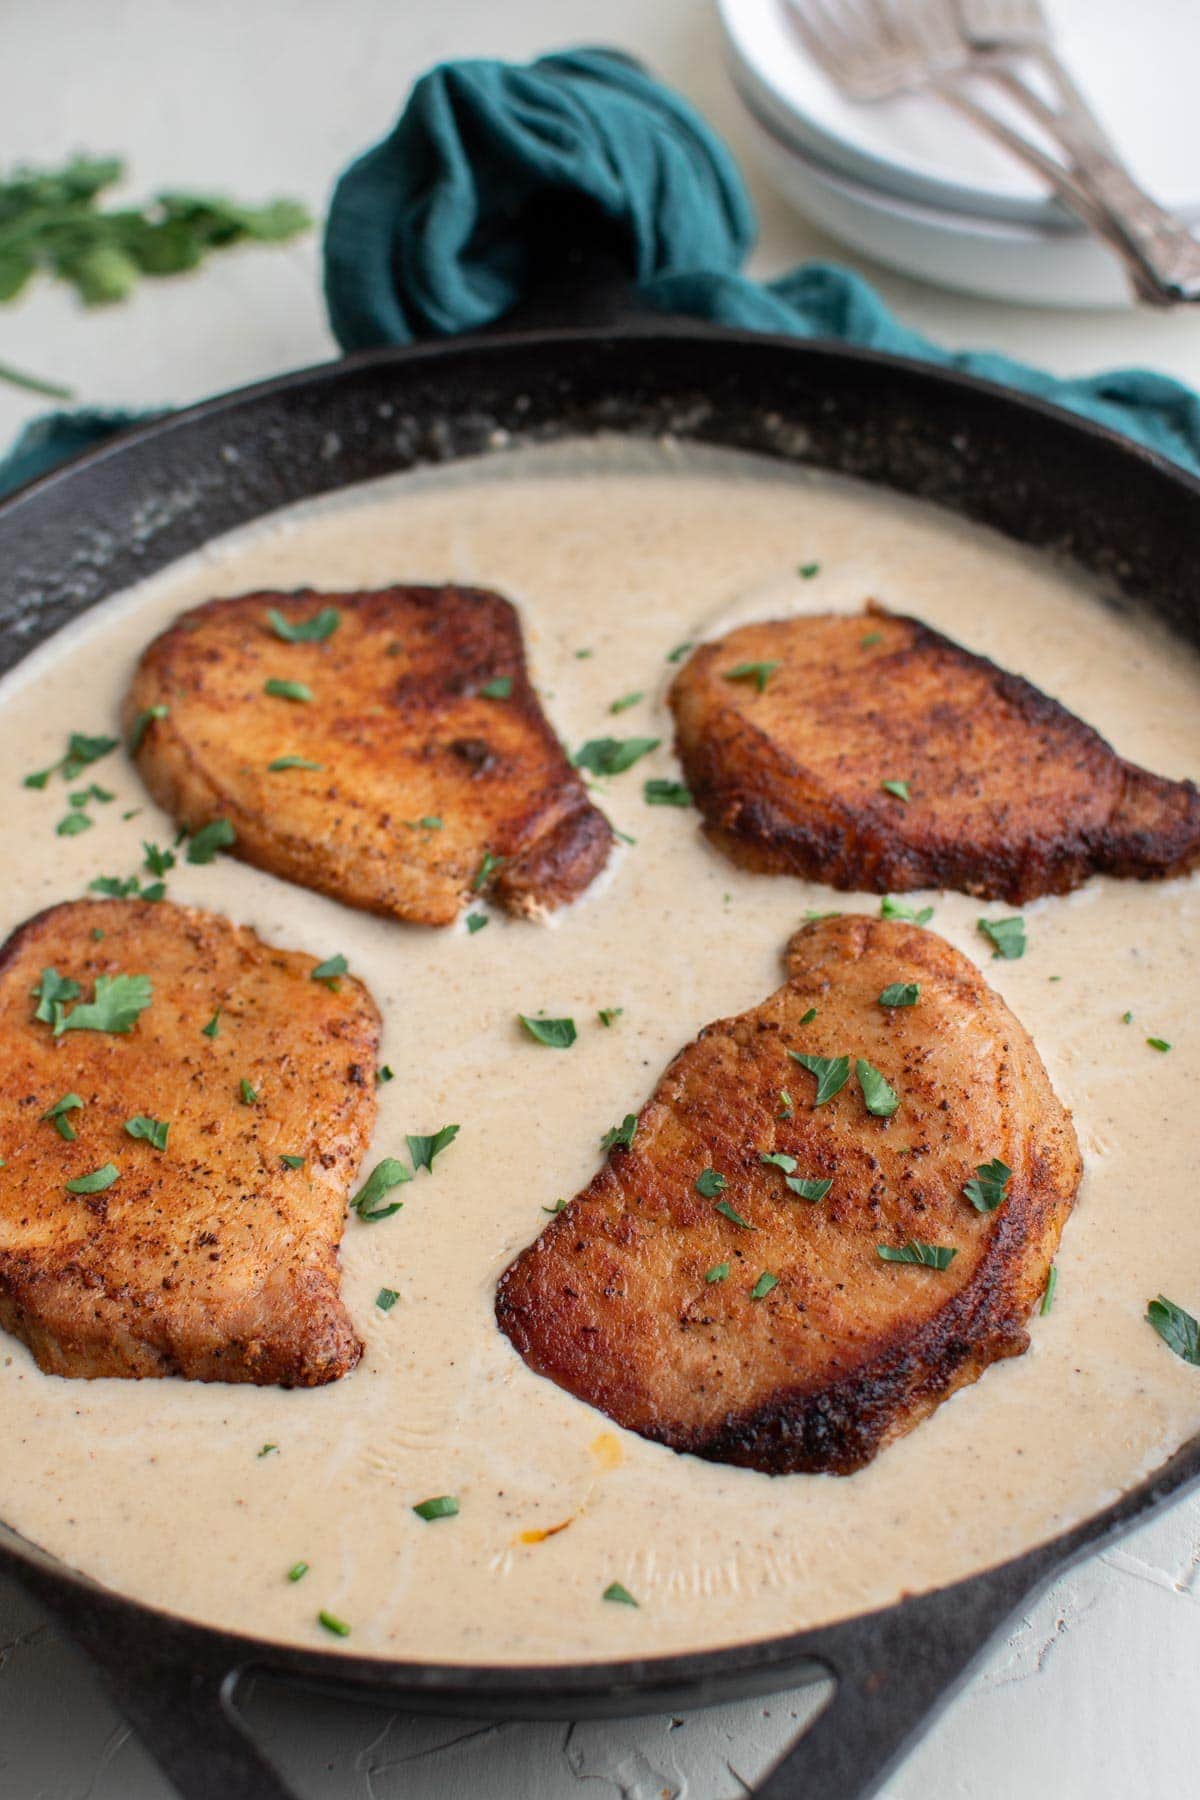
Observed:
{"x":1094,"y":1695}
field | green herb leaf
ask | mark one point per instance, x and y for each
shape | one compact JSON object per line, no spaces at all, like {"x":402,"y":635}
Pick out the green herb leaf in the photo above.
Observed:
{"x":735,"y":1218}
{"x":709,"y":1183}
{"x":430,"y":822}
{"x":313,"y":630}
{"x":52,"y":993}
{"x":622,"y":1596}
{"x":287,"y":690}
{"x":266,"y":1451}
{"x":73,"y":824}
{"x":1048,"y":1294}
{"x":556,"y":1034}
{"x":218,"y":834}
{"x":763,"y":1285}
{"x":879,"y":1096}
{"x":158,"y":862}
{"x":1007,"y":936}
{"x":899,"y":788}
{"x":832,"y":1073}
{"x":384,"y":1074}
{"x":1177,"y":1328}
{"x":214,"y":1025}
{"x":896,"y":909}
{"x":476,"y":922}
{"x":660,"y":792}
{"x":291,"y":762}
{"x":900,"y":993}
{"x":929,"y":1256}
{"x":559,"y":1206}
{"x":424,"y":1149}
{"x":679,"y":652}
{"x":115,"y":1005}
{"x":486,"y":870}
{"x":298,"y":1571}
{"x":442,"y":1506}
{"x":389,"y":1174}
{"x":249,"y":1094}
{"x":289,"y":1161}
{"x":1127,"y":1018}
{"x":608,"y":1015}
{"x":718,"y":1272}
{"x":757,"y":672}
{"x":96,"y":1182}
{"x":386,"y":1298}
{"x":329,"y":970}
{"x":142,"y":724}
{"x":332,"y":1623}
{"x":806,"y":571}
{"x":620,"y":1136}
{"x":808,"y":1187}
{"x":153,"y":1130}
{"x":809,"y":1016}
{"x":987,"y":1189}
{"x":612,"y":756}
{"x":780,"y":1159}
{"x":872,"y":637}
{"x":498,"y":688}
{"x":1158,"y":1044}
{"x":787,"y":1109}
{"x":57,"y":1114}
{"x":626,"y":701}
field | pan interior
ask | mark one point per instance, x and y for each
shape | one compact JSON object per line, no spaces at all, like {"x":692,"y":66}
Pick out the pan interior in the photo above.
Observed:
{"x":622,"y":551}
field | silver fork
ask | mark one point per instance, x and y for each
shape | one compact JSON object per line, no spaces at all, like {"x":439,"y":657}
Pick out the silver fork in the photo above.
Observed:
{"x":874,"y":49}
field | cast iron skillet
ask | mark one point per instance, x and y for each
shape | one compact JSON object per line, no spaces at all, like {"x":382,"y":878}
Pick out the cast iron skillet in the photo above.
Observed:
{"x":125,"y":510}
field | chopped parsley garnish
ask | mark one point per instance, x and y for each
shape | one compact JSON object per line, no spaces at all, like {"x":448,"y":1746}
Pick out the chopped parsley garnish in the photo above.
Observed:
{"x":442,"y":1506}
{"x":81,"y":751}
{"x":879,"y":1096}
{"x":559,"y":1206}
{"x":214,"y":1025}
{"x":298,"y":1571}
{"x":153,"y":1130}
{"x":735,"y":1218}
{"x":498,"y":688}
{"x":218,"y":834}
{"x":485,"y":871}
{"x":332,"y":1623}
{"x":832,"y":1073}
{"x":780,"y":1159}
{"x":1007,"y":936}
{"x":899,"y":788}
{"x":556,"y":1034}
{"x":266,"y":1451}
{"x":809,"y":1016}
{"x":757,"y":672}
{"x":73,"y":824}
{"x":92,"y":792}
{"x":287,"y":690}
{"x":900,"y":993}
{"x":57,"y":1114}
{"x":763,"y":1285}
{"x":51,"y":993}
{"x":384,"y":1074}
{"x":806,"y":571}
{"x":620,"y":1136}
{"x":1158,"y":1044}
{"x":96,"y":1182}
{"x":583,"y":654}
{"x":623,"y":835}
{"x":115,"y":1005}
{"x":249,"y":1094}
{"x":113,"y":887}
{"x":424,"y":1149}
{"x":787,"y":1109}
{"x":622,"y":1595}
{"x":386,"y":1298}
{"x":289,"y":1161}
{"x":329,"y":970}
{"x":608,"y":1015}
{"x":660,"y":792}
{"x":679,"y":652}
{"x":807,"y":1187}
{"x":142,"y":724}
{"x":389,"y":1174}
{"x":626,"y":701}
{"x":292,"y":762}
{"x":158,"y":862}
{"x":718,"y":1272}
{"x":896,"y":909}
{"x":1048,"y":1292}
{"x":313,"y":630}
{"x":872,"y":637}
{"x":1127,"y":1018}
{"x":612,"y":756}
{"x":429,"y":822}
{"x":928,"y":1256}
{"x":709,"y":1183}
{"x":1177,"y":1328}
{"x":987,"y":1188}
{"x":476,"y":922}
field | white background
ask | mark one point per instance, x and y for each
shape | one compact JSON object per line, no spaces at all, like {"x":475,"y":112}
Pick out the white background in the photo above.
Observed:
{"x":1094,"y":1695}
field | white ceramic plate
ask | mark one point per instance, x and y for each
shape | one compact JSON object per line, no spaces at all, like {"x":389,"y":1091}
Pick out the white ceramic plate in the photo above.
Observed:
{"x":1137,"y":63}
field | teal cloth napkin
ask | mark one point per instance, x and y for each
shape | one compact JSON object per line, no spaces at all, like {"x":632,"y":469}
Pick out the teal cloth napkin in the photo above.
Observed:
{"x":495,"y":170}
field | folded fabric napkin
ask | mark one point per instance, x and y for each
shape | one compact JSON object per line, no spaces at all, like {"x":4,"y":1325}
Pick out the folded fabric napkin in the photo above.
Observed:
{"x":496,"y":171}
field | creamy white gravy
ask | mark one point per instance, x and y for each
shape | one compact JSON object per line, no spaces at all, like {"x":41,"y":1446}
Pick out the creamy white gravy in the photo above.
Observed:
{"x":158,"y":1487}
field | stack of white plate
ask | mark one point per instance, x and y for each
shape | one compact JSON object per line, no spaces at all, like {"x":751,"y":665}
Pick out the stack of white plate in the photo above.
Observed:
{"x":913,"y":185}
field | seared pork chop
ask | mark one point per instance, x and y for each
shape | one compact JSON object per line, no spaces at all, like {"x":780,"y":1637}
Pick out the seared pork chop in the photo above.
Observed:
{"x":149,"y":1222}
{"x":393,"y":754}
{"x":997,"y":789}
{"x":696,"y":1294}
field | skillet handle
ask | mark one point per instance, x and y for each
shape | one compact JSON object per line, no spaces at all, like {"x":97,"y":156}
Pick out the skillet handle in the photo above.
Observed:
{"x":895,"y":1671}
